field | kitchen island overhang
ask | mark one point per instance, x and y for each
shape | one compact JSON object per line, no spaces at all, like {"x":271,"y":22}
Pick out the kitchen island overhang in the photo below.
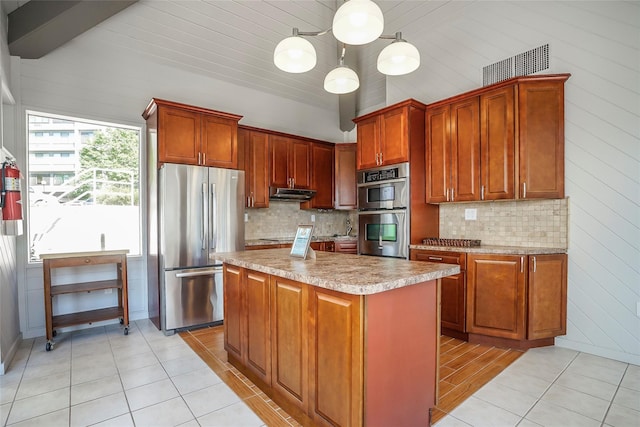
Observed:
{"x":339,"y":340}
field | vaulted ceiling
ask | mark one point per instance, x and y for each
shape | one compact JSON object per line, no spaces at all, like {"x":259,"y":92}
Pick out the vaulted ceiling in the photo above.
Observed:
{"x":234,"y":40}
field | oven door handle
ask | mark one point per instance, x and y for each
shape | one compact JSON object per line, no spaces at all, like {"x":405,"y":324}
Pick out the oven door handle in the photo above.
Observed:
{"x":382,"y":183}
{"x":383,"y":211}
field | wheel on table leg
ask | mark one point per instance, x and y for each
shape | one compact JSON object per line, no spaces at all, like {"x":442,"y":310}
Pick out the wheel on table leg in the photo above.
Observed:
{"x":126,"y":330}
{"x":48,"y":346}
{"x":121,"y":321}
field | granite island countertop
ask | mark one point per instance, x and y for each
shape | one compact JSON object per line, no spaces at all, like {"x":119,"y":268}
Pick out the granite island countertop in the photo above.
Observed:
{"x":351,"y":274}
{"x":491,"y":249}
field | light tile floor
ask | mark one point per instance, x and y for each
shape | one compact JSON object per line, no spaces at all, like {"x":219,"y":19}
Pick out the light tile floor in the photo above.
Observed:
{"x":100,"y":377}
{"x":553,"y":386}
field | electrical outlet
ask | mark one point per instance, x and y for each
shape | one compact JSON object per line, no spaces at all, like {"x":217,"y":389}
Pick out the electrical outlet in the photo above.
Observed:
{"x":108,"y":291}
{"x":246,"y":217}
{"x":470,"y":214}
{"x":313,"y":218}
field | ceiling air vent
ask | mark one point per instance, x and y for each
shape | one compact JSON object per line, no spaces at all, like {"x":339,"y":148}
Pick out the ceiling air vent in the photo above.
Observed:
{"x":523,"y":64}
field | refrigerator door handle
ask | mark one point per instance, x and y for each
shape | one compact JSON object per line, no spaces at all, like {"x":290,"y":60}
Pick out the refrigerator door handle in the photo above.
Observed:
{"x":203,"y":234}
{"x":206,"y":272}
{"x":213,"y":218}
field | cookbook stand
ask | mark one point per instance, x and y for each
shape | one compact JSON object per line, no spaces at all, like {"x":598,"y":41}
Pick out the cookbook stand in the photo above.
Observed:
{"x":302,"y":243}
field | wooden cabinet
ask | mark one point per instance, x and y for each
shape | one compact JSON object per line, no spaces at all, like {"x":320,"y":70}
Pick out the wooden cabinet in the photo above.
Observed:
{"x":326,"y":368}
{"x":346,"y":246}
{"x":541,"y":139}
{"x":504,"y":141}
{"x":547,"y":296}
{"x":322,"y":158}
{"x":193,"y":135}
{"x":383,"y":137}
{"x":497,"y":164}
{"x":453,"y":152}
{"x":79,"y":260}
{"x":453,"y":290}
{"x":519,"y":299}
{"x":254,"y":160}
{"x":496,"y":295}
{"x":290,"y":340}
{"x":233,"y":311}
{"x":335,"y":353}
{"x":289,"y":163}
{"x":323,"y":246}
{"x":345,"y":177}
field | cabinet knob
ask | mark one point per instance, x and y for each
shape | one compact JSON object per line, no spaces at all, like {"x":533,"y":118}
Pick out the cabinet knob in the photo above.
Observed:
{"x":87,"y":261}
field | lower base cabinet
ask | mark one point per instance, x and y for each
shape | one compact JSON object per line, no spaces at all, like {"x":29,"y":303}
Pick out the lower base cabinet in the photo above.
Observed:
{"x":307,"y":349}
{"x":519,"y":300}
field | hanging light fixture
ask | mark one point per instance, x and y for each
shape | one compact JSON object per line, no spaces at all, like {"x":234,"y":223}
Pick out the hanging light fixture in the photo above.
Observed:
{"x":295,"y":54}
{"x":342,"y":79}
{"x":356,"y":22}
{"x":398,"y":58}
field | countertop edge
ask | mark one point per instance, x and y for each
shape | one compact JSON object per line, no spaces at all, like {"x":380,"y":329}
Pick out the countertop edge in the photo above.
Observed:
{"x":490,"y":249}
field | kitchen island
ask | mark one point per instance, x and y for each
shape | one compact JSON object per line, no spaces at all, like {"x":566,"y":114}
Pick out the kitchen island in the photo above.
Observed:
{"x":337,"y":340}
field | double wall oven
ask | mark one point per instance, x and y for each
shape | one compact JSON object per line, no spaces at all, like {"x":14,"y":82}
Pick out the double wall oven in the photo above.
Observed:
{"x":383,"y":211}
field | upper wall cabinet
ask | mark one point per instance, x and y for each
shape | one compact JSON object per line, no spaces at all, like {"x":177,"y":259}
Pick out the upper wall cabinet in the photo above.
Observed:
{"x":345,"y":177}
{"x":290,"y":160}
{"x":322,"y":179}
{"x":504,"y":141}
{"x":193,"y":135}
{"x":253,"y":152}
{"x":384,"y":135}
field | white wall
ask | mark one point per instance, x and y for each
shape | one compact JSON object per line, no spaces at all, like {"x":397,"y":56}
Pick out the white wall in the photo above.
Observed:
{"x":599,"y":44}
{"x":9,"y":324}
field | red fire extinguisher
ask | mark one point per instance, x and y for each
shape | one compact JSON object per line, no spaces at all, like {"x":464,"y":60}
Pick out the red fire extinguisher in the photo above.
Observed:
{"x":10,"y":201}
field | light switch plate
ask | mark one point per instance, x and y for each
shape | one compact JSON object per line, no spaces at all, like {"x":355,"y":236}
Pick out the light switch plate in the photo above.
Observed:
{"x":246,"y":217}
{"x":470,"y":214}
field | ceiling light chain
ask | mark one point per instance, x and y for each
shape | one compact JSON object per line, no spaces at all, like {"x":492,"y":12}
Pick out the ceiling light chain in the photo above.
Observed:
{"x":356,"y":22}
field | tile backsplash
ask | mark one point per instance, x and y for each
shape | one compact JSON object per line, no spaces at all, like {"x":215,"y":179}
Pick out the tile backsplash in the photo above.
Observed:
{"x":281,"y":219}
{"x":531,"y":223}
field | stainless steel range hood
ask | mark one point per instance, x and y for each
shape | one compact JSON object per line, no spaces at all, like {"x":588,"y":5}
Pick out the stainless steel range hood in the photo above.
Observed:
{"x":291,"y":194}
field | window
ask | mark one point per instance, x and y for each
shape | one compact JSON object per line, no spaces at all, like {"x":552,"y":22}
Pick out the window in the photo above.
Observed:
{"x":77,"y":199}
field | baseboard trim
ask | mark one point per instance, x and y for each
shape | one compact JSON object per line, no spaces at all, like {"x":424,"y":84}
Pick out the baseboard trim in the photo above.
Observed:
{"x":4,"y":365}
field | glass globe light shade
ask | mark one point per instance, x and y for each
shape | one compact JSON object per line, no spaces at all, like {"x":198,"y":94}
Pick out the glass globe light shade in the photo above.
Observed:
{"x":398,"y":58}
{"x":341,"y":80}
{"x":358,"y":22}
{"x":294,"y":55}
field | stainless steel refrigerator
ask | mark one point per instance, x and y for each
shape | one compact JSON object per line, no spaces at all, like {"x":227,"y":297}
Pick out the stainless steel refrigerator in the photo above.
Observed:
{"x":198,"y":211}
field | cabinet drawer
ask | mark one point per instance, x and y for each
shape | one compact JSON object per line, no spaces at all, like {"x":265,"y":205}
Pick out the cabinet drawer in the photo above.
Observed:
{"x":445,"y":257}
{"x":347,"y":247}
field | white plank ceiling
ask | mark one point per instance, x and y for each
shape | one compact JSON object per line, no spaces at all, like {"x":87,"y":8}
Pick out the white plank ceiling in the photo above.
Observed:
{"x":234,"y":41}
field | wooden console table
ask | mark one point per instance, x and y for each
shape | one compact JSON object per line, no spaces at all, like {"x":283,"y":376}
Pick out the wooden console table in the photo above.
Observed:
{"x":77,"y":259}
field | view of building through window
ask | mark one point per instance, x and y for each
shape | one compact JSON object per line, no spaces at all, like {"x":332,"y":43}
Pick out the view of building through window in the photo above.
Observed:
{"x":84,"y":185}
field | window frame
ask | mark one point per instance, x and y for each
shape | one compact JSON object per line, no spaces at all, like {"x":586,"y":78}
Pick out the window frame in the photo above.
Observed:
{"x":88,"y":118}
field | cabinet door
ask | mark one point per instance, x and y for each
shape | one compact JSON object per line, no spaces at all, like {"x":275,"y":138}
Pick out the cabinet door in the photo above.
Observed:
{"x":496,"y":295}
{"x":300,"y":163}
{"x":178,"y":136}
{"x":233,"y":312}
{"x":279,"y":161}
{"x":350,"y":247}
{"x":345,"y":177}
{"x":335,"y":358}
{"x":289,"y":335}
{"x":541,"y":140}
{"x":497,"y":144}
{"x":322,"y":176}
{"x":258,"y":297}
{"x":465,"y":150}
{"x":394,"y":136}
{"x":257,"y":169}
{"x":368,"y":145}
{"x":438,"y":154}
{"x":547,"y":313}
{"x":219,"y":142}
{"x":452,"y":302}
